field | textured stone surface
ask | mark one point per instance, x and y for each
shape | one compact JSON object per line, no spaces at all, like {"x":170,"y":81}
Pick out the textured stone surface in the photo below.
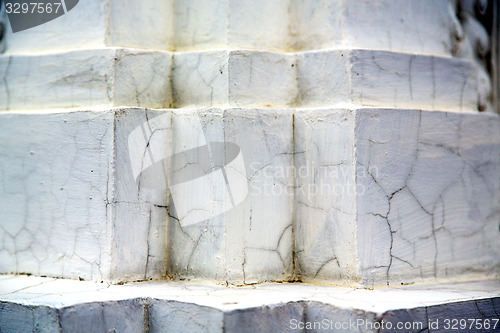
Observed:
{"x":386,"y":79}
{"x":49,"y":305}
{"x":252,"y":241}
{"x":234,"y":78}
{"x":381,"y":195}
{"x":244,"y":78}
{"x":231,"y":24}
{"x":424,"y":27}
{"x":324,"y":78}
{"x":396,"y":196}
{"x":91,"y":196}
{"x":71,"y":207}
{"x":89,"y":78}
{"x":97,"y":24}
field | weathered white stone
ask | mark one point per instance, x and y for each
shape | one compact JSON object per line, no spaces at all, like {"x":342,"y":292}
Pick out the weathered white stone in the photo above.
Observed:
{"x":396,"y":196}
{"x":231,"y":24}
{"x":116,"y":77}
{"x":112,"y":316}
{"x":175,"y":316}
{"x":70,"y":205}
{"x":48,"y":305}
{"x":252,"y":240}
{"x":386,"y":79}
{"x":324,"y":78}
{"x":325,"y":195}
{"x":89,"y":197}
{"x":96,"y":24}
{"x":423,"y":27}
{"x":267,"y":318}
{"x":102,"y":77}
{"x":234,"y":78}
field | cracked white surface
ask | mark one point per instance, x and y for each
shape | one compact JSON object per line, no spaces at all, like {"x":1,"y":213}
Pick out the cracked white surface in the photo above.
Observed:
{"x":234,"y":78}
{"x":325,"y":196}
{"x":324,"y":78}
{"x":386,"y":79}
{"x":253,"y":241}
{"x":70,"y":206}
{"x":379,"y":195}
{"x":439,"y":203}
{"x":423,"y":204}
{"x":89,"y":78}
{"x":230,"y":24}
{"x":88,"y":199}
{"x":72,"y":306}
{"x":243,"y":78}
{"x":54,"y":194}
{"x":98,"y":24}
{"x":423,"y":26}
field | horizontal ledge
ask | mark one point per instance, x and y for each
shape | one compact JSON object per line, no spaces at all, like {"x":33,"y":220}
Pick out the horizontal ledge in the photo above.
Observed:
{"x":110,"y":77}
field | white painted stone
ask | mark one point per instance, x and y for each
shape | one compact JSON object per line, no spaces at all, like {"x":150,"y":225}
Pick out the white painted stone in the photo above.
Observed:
{"x":116,"y":77}
{"x":104,"y":77}
{"x":89,"y":197}
{"x":96,"y":24}
{"x":234,"y":78}
{"x":166,"y":306}
{"x":423,"y":27}
{"x":386,"y":79}
{"x":325,"y":195}
{"x":140,"y":200}
{"x":71,"y":207}
{"x":119,"y":316}
{"x":231,"y":24}
{"x":175,"y":316}
{"x":418,"y":198}
{"x":324,"y":78}
{"x":252,"y":241}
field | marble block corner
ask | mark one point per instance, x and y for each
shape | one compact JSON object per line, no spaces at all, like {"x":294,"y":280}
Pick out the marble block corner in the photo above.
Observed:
{"x":235,"y":225}
{"x":419,"y":199}
{"x":71,"y":206}
{"x":240,"y":78}
{"x":376,"y":78}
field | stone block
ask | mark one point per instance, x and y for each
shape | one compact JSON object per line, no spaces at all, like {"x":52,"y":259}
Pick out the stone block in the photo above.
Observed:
{"x":231,"y":221}
{"x":56,"y":305}
{"x":86,"y":78}
{"x":234,"y":78}
{"x":231,"y":24}
{"x":386,"y":79}
{"x":133,"y":194}
{"x":423,"y":27}
{"x":71,"y":206}
{"x":396,"y":196}
{"x":94,"y":24}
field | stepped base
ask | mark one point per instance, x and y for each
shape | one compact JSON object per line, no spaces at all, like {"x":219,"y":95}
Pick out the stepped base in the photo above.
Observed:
{"x":376,"y":196}
{"x":54,"y":305}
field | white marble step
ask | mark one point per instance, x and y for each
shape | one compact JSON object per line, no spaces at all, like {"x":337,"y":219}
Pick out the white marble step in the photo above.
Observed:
{"x":104,"y":77}
{"x":361,"y":197}
{"x":84,"y":195}
{"x":417,"y":26}
{"x":54,"y":305}
{"x":92,"y":24}
{"x":390,"y":196}
{"x":243,"y":78}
